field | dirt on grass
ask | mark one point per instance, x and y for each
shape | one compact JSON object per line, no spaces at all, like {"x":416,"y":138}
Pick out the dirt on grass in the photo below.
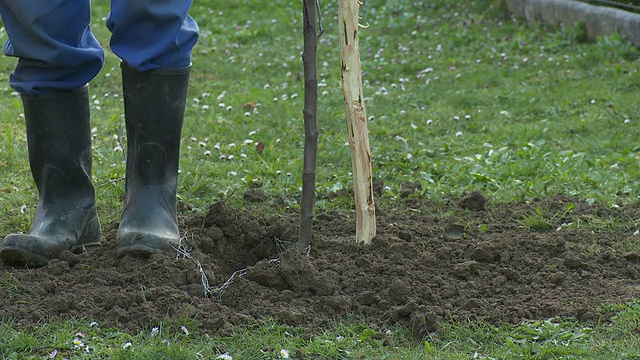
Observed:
{"x":464,"y":260}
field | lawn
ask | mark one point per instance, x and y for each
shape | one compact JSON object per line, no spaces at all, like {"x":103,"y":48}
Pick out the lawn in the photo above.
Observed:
{"x":460,"y":97}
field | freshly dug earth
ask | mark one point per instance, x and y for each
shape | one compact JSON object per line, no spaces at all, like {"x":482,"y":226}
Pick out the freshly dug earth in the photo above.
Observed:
{"x":465,"y":260}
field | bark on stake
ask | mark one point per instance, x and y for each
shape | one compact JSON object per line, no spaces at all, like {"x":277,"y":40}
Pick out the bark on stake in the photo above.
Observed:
{"x":310,"y":113}
{"x":356,"y":120}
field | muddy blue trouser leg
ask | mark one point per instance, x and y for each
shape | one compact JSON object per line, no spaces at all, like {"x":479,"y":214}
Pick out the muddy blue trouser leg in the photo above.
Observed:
{"x":56,"y":49}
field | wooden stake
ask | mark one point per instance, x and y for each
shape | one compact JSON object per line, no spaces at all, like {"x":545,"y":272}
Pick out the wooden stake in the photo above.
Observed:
{"x":351,"y":74}
{"x":310,"y":113}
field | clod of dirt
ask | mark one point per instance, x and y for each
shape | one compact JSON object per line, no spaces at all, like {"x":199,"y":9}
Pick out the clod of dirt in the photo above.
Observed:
{"x":472,"y":304}
{"x":510,"y":274}
{"x":399,"y":292}
{"x":483,"y":253}
{"x":557,"y":277}
{"x":70,"y":258}
{"x":293,"y":271}
{"x":409,"y":188}
{"x":473,"y":201}
{"x":466,"y":269}
{"x":454,"y":231}
{"x":254,"y":195}
{"x":423,"y":324}
{"x":632,"y":256}
{"x":572,"y":262}
{"x":404,"y":235}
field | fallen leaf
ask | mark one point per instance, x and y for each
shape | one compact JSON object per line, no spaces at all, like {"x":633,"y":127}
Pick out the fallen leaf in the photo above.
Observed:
{"x":260,"y":147}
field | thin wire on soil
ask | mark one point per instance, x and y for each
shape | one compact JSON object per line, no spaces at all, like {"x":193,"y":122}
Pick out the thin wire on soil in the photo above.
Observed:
{"x":284,"y":246}
{"x":307,"y":251}
{"x":220,"y":289}
{"x":183,"y":251}
{"x":275,"y":262}
{"x":280,"y":244}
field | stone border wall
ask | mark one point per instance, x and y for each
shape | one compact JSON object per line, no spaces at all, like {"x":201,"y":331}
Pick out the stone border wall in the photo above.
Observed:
{"x":599,"y":20}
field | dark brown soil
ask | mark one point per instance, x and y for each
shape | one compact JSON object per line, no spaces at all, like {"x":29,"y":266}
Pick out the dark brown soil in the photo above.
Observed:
{"x":466,"y":260}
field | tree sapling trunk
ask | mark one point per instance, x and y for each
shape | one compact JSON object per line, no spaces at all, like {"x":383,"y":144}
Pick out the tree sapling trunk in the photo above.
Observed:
{"x":310,"y":113}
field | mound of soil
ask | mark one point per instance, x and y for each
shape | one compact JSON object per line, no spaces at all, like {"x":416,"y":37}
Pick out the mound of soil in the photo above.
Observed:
{"x":475,"y":263}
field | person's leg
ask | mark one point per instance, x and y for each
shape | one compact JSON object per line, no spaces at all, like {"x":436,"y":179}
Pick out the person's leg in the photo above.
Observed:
{"x":57,"y":56}
{"x":152,"y":34}
{"x":53,"y":43}
{"x":155,"y":77}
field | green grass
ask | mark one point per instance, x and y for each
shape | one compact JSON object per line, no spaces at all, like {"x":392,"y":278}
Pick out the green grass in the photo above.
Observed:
{"x":550,"y":339}
{"x":459,"y":99}
{"x":539,"y":221}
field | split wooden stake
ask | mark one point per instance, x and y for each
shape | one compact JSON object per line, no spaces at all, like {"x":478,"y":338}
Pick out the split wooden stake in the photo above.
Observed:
{"x":351,"y":75}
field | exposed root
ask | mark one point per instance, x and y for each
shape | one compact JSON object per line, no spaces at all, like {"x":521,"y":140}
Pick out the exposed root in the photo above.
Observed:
{"x":219,"y":290}
{"x":183,"y":251}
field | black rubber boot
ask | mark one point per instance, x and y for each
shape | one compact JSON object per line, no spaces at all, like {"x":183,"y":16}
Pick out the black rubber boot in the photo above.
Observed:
{"x":59,"y":142}
{"x":154,"y":105}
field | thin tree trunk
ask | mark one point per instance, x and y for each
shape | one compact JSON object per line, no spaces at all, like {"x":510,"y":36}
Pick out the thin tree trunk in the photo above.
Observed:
{"x":310,"y":113}
{"x":356,"y":120}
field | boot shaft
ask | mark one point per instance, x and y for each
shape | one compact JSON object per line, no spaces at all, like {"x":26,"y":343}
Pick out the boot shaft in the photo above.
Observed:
{"x":154,"y":105}
{"x":59,"y":144}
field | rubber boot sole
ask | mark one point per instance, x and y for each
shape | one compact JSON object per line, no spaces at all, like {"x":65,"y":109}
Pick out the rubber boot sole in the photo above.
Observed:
{"x":14,"y":252}
{"x":142,"y":244}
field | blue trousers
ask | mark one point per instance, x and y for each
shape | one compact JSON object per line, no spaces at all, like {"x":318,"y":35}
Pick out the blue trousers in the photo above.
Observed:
{"x":56,"y":49}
